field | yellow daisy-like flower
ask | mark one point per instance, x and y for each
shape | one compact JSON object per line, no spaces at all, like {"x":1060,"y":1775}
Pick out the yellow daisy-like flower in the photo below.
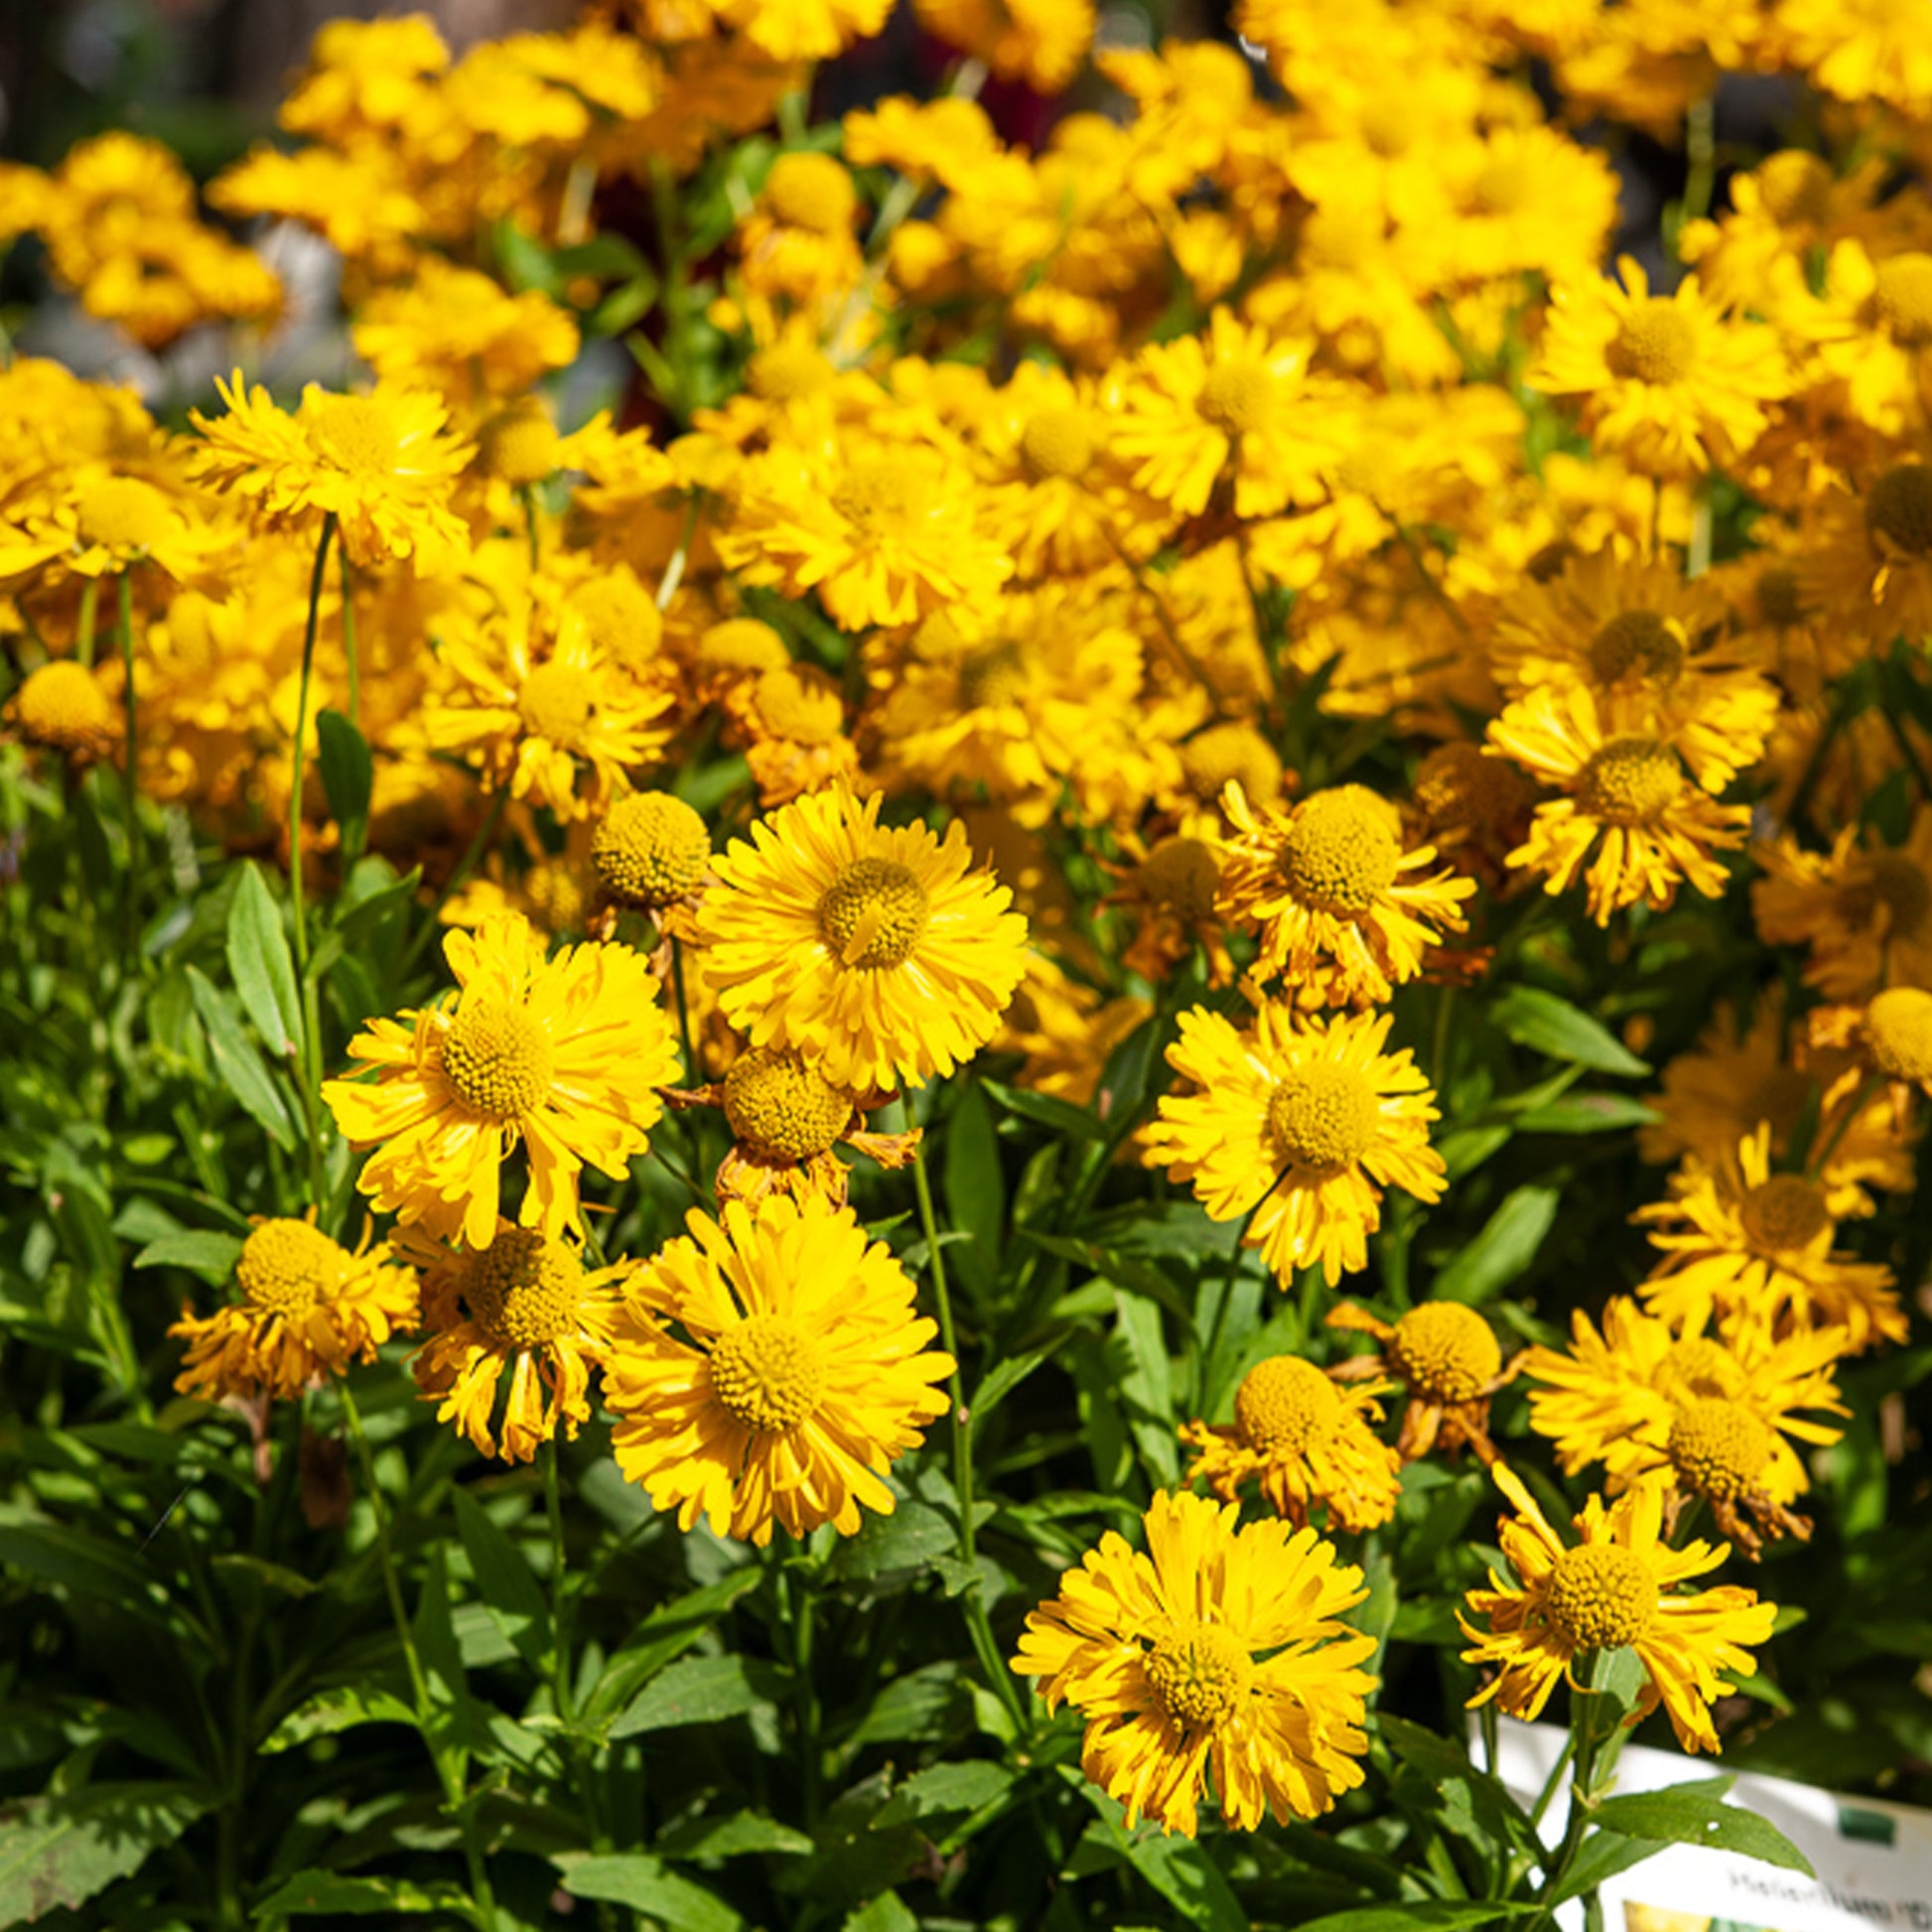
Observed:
{"x":1306,"y":1441}
{"x":102,"y":524}
{"x":1897,"y":1036}
{"x":1740,"y":1240}
{"x":1669,"y":381}
{"x":878,"y":952}
{"x":383,"y":465}
{"x":1232,"y":405}
{"x":62,"y":705}
{"x":1447,"y":1357}
{"x":308,"y":1307}
{"x":524,"y":1306}
{"x":1868,"y":562}
{"x":1711,"y":1416}
{"x":1627,"y":798}
{"x":1294,"y":1122}
{"x":560,"y":1056}
{"x":769,"y":1368}
{"x":1217,"y":1655}
{"x":1614,"y":1589}
{"x":1323,"y":884}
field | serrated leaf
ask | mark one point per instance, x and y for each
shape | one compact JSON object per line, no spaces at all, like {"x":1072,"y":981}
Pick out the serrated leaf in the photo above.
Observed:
{"x":1699,"y":1817}
{"x":202,"y":1251}
{"x":348,"y":776}
{"x":237,"y":1065}
{"x":1182,"y":1873}
{"x":60,"y":1851}
{"x":311,"y":1893}
{"x":343,"y":1707}
{"x":941,"y":1790}
{"x":261,"y":965}
{"x":505,"y":1580}
{"x":647,"y":1885}
{"x":1546,"y":1023}
{"x":697,"y":1691}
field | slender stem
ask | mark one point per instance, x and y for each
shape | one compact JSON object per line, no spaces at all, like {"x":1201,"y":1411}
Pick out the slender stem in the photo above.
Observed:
{"x":130,"y":774}
{"x":455,"y":883}
{"x":563,"y":1687}
{"x":300,"y":751}
{"x":1858,"y":1102}
{"x":528,"y":493}
{"x":1701,"y":153}
{"x":1584,"y":1713}
{"x":979,"y":1625}
{"x":83,"y":634}
{"x":683,"y":1011}
{"x":350,"y":656}
{"x":1554,"y":1782}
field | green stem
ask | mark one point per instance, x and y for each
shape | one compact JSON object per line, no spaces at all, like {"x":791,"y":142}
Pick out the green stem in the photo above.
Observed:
{"x":1701,"y":153}
{"x":130,"y":774}
{"x":528,"y":493}
{"x":1585,"y":1716}
{"x":350,"y":656}
{"x":299,"y":752}
{"x":1814,"y":1166}
{"x":454,"y":884}
{"x":83,"y":634}
{"x":978,"y":1624}
{"x":683,"y":1011}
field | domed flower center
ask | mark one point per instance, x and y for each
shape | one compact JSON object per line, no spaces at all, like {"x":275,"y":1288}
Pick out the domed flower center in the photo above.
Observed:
{"x":1697,"y":1370}
{"x":1462,"y":785}
{"x":872,"y":913}
{"x":1323,"y":1117}
{"x":621,"y":618}
{"x":1898,"y":509}
{"x":1778,"y":601}
{"x":1893,"y":886}
{"x":555,"y":891}
{"x":787,"y":371}
{"x":1340,"y":853}
{"x":811,"y":191}
{"x":1784,"y":1215}
{"x":62,"y":705}
{"x":650,"y":849}
{"x":1237,"y":395}
{"x":1286,"y":1404}
{"x":1794,"y":186}
{"x":1898,"y":1032}
{"x":741,"y":644}
{"x":556,"y":704}
{"x":1444,"y":1352}
{"x":800,"y":704}
{"x":356,"y":435}
{"x":781,"y":1108}
{"x":767,"y":1373}
{"x":518,"y":445}
{"x":1200,"y":1672}
{"x":524,"y":1289}
{"x":1211,"y":757}
{"x":497,"y":1059}
{"x":1720,"y":1448}
{"x":864,"y":490}
{"x":1654,"y":342}
{"x":996,"y":675}
{"x":1057,"y":443}
{"x":1602,"y":1595}
{"x":1630,"y":781}
{"x":1503,"y":186}
{"x":287,"y":1268}
{"x":123,"y":513}
{"x":1638,"y":643}
{"x":1778,"y":1098}
{"x":1901,"y":300}
{"x":1181,"y":877}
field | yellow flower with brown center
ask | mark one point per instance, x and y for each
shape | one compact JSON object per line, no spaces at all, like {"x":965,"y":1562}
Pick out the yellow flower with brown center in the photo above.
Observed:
{"x":522,"y":1310}
{"x":769,"y":1368}
{"x":1306,"y":1441}
{"x":879,"y":953}
{"x":308,"y":1307}
{"x":1323,"y":884}
{"x":1615,"y":1588}
{"x":1295,"y":1123}
{"x":560,"y":1057}
{"x":1445,"y":1356}
{"x":1740,"y":1241}
{"x":1217,"y":1657}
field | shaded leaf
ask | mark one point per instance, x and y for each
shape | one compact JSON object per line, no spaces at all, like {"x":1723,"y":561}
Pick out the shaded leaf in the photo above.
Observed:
{"x":60,"y":1851}
{"x":505,"y":1581}
{"x":1546,"y":1024}
{"x":311,"y":1893}
{"x":697,"y":1691}
{"x":261,"y":965}
{"x":647,"y":1885}
{"x":943,"y":1789}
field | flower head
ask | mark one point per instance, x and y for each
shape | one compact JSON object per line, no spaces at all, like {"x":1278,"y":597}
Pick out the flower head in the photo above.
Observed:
{"x":1447,"y":1357}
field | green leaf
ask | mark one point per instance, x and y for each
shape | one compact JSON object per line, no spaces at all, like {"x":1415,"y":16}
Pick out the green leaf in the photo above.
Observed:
{"x":1697,"y":1815}
{"x":1503,"y":1247}
{"x":200,"y":1251}
{"x":1147,"y":1390}
{"x":1005,"y":1376}
{"x":1416,"y":1914}
{"x":347,"y":776}
{"x":909,"y":1539}
{"x":1548,"y":1024}
{"x":237,"y":1063}
{"x":1079,"y":1122}
{"x":665,"y":1635}
{"x":261,"y":965}
{"x":942,"y":1790}
{"x":315,"y":1893}
{"x":1181,"y":1872}
{"x":58,"y":1553}
{"x":60,"y":1851}
{"x":975,"y":1187}
{"x":697,"y":1691}
{"x":734,"y":1837}
{"x":1587,"y":1113}
{"x":505,"y":1581}
{"x":341,"y":1709}
{"x":1603,"y":1856}
{"x":886,"y":1913}
{"x":647,"y":1885}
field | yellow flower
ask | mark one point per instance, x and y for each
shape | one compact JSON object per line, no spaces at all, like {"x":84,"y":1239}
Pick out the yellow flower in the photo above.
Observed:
{"x":1699,"y":1415}
{"x":1306,"y":1441}
{"x":62,"y":705}
{"x":770,"y":1369}
{"x":1740,"y":1240}
{"x":1867,"y":564}
{"x":650,"y":850}
{"x":381,"y":464}
{"x":523,"y":1306}
{"x":102,"y":524}
{"x":1897,"y":1034}
{"x":1447,"y":1357}
{"x":1324,"y":883}
{"x":877,"y":952}
{"x":1669,"y":381}
{"x":1219,"y":1654}
{"x":1040,"y":43}
{"x":308,"y":1307}
{"x":1295,"y":1121}
{"x":1615,"y":1588}
{"x":562,"y":1056}
{"x":1627,"y":789}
